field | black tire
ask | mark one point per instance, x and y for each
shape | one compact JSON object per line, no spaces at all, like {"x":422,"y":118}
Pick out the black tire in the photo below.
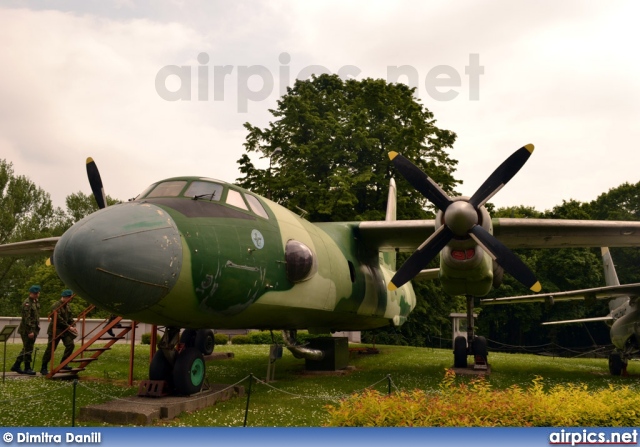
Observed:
{"x":188,"y":338}
{"x":460,"y":352}
{"x":480,"y":347}
{"x":161,"y":369}
{"x":205,"y":341}
{"x":616,"y":364}
{"x":189,"y":372}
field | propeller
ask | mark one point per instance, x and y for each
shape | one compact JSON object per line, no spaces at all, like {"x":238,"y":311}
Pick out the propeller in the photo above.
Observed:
{"x":96,"y":183}
{"x":460,"y":219}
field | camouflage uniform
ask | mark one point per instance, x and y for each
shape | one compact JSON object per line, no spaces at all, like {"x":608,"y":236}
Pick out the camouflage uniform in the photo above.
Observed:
{"x":65,"y":331}
{"x":30,"y":323}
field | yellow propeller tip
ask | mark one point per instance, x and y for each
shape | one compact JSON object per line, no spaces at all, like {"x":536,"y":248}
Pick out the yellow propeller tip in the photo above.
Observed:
{"x":89,"y":160}
{"x":48,"y":262}
{"x":530,"y":148}
{"x":536,"y":287}
{"x":392,"y":155}
{"x":392,"y":287}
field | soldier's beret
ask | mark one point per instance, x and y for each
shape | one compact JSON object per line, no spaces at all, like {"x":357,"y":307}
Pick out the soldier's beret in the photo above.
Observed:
{"x":66,"y":293}
{"x":34,"y":289}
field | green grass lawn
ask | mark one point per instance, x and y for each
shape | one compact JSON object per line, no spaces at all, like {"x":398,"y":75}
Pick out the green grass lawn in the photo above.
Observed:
{"x":294,"y":398}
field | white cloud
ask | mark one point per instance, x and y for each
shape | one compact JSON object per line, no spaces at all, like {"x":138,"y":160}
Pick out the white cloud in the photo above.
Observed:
{"x":81,"y":82}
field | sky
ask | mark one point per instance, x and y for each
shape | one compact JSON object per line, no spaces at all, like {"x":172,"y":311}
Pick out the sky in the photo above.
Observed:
{"x":152,"y":90}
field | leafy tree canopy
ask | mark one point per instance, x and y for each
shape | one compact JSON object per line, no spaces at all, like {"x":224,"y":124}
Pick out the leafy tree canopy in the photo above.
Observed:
{"x":26,"y":212}
{"x":328,"y":147}
{"x":80,"y":205}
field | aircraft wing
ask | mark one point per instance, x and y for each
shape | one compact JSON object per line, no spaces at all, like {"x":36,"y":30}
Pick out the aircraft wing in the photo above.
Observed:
{"x":601,"y":293}
{"x":407,"y":235}
{"x":36,"y":247}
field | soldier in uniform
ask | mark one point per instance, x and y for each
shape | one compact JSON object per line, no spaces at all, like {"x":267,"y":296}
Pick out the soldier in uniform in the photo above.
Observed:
{"x":28,"y":330}
{"x":65,"y":331}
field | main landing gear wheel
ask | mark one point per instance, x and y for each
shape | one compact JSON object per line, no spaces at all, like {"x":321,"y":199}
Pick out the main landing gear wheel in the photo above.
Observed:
{"x":205,"y":341}
{"x":480,"y":352}
{"x":460,"y":352}
{"x":202,"y":339}
{"x":188,"y":337}
{"x":616,"y":364}
{"x":480,"y":347}
{"x":189,"y":371}
{"x":161,"y":369}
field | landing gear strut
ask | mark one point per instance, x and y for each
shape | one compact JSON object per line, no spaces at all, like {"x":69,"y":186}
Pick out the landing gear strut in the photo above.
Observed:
{"x":471,"y":345}
{"x":617,"y":364}
{"x":180,"y":360}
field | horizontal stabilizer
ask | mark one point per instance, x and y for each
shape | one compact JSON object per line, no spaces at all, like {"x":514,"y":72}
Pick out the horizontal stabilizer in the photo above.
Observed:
{"x":581,"y":320}
{"x":601,"y":293}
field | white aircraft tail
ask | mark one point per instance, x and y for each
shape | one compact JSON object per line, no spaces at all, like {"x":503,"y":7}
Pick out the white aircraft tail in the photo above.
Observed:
{"x":611,"y":278}
{"x":610,"y":275}
{"x":392,"y":202}
{"x":389,"y":257}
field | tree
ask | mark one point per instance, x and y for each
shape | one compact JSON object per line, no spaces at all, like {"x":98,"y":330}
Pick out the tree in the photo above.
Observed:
{"x":334,"y":137}
{"x":565,"y":269}
{"x":26,"y":212}
{"x":80,"y":205}
{"x":621,"y":203}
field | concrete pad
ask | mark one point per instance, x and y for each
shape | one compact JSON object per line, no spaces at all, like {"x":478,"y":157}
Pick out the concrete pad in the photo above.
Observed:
{"x":469,"y":371}
{"x":136,"y":410}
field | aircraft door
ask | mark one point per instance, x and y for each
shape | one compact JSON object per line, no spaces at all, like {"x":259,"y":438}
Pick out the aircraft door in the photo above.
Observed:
{"x":221,"y":276}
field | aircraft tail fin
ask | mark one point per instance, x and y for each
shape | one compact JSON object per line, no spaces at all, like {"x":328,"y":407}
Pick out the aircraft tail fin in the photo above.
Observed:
{"x":392,"y":202}
{"x":389,"y":257}
{"x":611,"y":277}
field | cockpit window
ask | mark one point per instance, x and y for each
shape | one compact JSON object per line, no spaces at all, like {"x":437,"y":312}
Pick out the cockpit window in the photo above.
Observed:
{"x":167,"y":189}
{"x":204,"y":190}
{"x":235,"y":198}
{"x":256,"y":206}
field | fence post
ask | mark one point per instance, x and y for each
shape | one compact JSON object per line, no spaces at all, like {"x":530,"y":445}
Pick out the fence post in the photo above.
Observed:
{"x":73,"y":407}
{"x":389,"y":382}
{"x":246,"y":411}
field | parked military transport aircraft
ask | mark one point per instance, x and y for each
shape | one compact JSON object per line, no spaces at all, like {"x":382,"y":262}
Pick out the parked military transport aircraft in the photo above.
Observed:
{"x":195,"y":253}
{"x":623,"y":317}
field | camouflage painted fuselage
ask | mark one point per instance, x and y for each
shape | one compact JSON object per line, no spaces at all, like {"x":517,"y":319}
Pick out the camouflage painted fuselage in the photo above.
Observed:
{"x":203,"y":262}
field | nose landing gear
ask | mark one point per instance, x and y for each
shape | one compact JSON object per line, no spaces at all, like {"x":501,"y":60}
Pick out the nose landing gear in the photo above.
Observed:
{"x":471,"y":344}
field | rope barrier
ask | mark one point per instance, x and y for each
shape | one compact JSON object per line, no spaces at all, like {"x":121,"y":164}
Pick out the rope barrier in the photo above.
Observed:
{"x":124,"y":399}
{"x":35,"y":396}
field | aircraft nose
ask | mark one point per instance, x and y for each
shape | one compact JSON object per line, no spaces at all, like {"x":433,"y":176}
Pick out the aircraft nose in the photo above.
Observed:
{"x":123,"y":258}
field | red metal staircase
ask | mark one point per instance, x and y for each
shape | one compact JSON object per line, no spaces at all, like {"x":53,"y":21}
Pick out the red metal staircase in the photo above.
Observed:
{"x":77,"y":361}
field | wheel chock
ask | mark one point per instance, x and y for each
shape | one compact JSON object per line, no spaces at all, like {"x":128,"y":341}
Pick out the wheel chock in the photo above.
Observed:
{"x":153,"y":388}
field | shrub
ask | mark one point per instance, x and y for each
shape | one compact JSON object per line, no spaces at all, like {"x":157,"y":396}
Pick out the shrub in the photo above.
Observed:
{"x":264,"y":338}
{"x":240,"y":340}
{"x":476,"y":405}
{"x":304,"y":337}
{"x":145,"y":338}
{"x":220,"y":339}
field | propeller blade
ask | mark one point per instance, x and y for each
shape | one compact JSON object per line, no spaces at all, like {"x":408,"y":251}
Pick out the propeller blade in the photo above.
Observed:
{"x":96,"y":183}
{"x":420,"y":181}
{"x":501,"y":176}
{"x":421,"y":257}
{"x":505,"y":258}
